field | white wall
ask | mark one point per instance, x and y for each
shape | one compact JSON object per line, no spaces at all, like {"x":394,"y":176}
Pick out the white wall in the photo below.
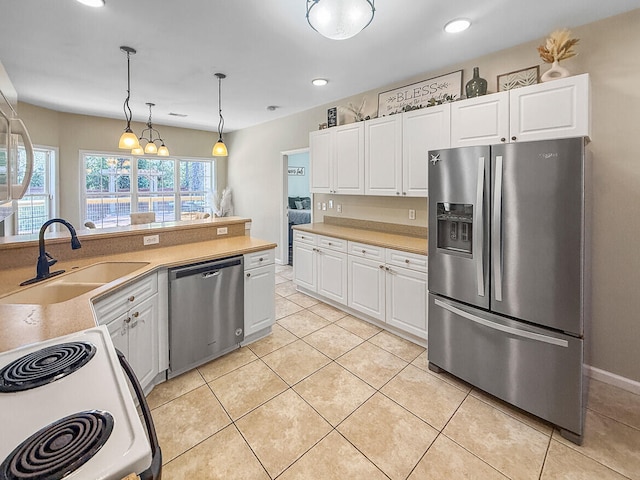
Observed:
{"x":608,"y":50}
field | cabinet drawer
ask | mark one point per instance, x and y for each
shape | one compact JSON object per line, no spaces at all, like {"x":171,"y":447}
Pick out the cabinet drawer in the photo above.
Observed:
{"x":304,"y":237}
{"x":366,"y":251}
{"x":331,"y":243}
{"x":407,"y":260}
{"x":258,"y":259}
{"x":120,"y":301}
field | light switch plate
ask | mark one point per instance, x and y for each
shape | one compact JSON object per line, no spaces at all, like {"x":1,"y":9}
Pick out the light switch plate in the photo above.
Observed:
{"x":324,"y":206}
{"x":412,"y":214}
{"x":222,"y":231}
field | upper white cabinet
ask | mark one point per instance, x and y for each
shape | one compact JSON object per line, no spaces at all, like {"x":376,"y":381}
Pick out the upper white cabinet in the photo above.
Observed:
{"x":396,"y":150}
{"x":337,"y":159}
{"x":480,"y":121}
{"x":556,"y":109}
{"x":422,"y":130}
{"x":383,"y":156}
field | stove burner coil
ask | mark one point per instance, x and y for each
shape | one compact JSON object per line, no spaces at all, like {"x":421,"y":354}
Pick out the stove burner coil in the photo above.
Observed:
{"x":45,"y":366}
{"x":60,"y":448}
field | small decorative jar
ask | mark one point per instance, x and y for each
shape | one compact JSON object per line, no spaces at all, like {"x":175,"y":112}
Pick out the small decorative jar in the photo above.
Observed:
{"x":476,"y":86}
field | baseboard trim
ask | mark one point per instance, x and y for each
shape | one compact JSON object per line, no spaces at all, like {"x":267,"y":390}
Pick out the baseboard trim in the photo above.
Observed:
{"x":613,"y":379}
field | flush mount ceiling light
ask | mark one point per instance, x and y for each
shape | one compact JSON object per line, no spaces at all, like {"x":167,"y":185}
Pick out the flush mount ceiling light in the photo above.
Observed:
{"x":319,"y":82}
{"x":128,"y":140}
{"x":339,"y":19}
{"x":92,"y":3}
{"x":220,"y":149}
{"x":457,"y":25}
{"x":151,"y":146}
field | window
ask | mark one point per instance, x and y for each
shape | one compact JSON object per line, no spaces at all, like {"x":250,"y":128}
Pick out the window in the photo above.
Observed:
{"x":37,"y":205}
{"x":116,"y":186}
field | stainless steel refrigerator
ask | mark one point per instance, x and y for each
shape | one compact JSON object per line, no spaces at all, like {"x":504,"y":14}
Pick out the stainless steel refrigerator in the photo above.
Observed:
{"x":509,"y":273}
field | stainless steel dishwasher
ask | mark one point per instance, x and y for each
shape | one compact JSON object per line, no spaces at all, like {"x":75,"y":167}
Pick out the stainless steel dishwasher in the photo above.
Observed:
{"x":206,"y":312}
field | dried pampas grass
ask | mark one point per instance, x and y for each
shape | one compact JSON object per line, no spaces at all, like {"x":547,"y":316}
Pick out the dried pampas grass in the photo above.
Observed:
{"x":559,"y":46}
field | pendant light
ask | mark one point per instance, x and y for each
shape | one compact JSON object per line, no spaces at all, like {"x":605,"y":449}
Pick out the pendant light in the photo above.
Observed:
{"x":128,"y":140}
{"x":220,"y":149}
{"x":339,"y":19}
{"x":151,"y":146}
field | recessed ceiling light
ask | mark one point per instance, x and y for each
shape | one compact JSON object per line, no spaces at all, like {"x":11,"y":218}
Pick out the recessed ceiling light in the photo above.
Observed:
{"x":319,"y":82}
{"x":92,"y":3}
{"x":457,"y":25}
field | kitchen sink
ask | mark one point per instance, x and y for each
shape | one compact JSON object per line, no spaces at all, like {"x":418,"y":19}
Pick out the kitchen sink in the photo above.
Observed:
{"x":48,"y":293}
{"x":73,"y":284}
{"x":102,"y":272}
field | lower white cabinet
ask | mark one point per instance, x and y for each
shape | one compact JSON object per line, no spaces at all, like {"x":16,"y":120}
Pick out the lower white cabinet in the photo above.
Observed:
{"x":131,"y":315}
{"x":259,"y":299}
{"x":320,"y":265}
{"x":381,"y":283}
{"x":406,"y":300}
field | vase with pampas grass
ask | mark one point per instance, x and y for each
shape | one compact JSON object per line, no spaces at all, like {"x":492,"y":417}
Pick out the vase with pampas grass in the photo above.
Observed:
{"x":559,"y":46}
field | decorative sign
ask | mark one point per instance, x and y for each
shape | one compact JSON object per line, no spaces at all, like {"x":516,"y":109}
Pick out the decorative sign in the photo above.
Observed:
{"x":519,"y":78}
{"x":430,"y":92}
{"x":332,"y":117}
{"x":297,"y":171}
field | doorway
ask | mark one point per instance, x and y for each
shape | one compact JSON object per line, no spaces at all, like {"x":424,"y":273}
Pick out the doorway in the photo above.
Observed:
{"x":296,"y":201}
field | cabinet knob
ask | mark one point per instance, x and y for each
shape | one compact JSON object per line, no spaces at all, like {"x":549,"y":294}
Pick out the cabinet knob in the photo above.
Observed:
{"x":397,"y":193}
{"x":330,"y":243}
{"x":136,"y":314}
{"x":503,"y":139}
{"x":406,"y":261}
{"x":381,"y":266}
{"x":248,"y":274}
{"x":513,"y":138}
{"x":127,"y":320}
{"x":260,"y":259}
{"x":131,"y":298}
{"x":404,"y":193}
{"x":364,"y":251}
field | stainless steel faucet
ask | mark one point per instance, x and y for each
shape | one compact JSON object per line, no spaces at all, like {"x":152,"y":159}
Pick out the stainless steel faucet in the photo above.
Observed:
{"x":44,"y":259}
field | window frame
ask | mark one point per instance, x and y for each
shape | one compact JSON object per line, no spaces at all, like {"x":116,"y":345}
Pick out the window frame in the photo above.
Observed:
{"x":134,"y":192}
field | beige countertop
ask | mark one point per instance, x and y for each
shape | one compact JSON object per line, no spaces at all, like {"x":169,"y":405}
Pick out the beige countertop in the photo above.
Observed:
{"x":24,"y":324}
{"x":405,"y":243}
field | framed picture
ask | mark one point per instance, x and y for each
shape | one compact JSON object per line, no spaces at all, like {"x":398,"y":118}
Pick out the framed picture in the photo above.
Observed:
{"x":296,"y":171}
{"x":433,"y":91}
{"x":332,"y":117}
{"x":519,"y":78}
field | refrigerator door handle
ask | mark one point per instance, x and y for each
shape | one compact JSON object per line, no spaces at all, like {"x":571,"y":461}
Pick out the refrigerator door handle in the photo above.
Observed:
{"x":496,"y":232}
{"x":478,"y":229}
{"x":503,"y":328}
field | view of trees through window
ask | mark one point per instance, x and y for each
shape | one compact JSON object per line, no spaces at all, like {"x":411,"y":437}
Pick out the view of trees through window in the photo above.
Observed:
{"x":116,"y":186}
{"x":35,"y":206}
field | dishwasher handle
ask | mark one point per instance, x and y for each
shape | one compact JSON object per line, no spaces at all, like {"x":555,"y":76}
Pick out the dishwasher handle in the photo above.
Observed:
{"x":206,"y":269}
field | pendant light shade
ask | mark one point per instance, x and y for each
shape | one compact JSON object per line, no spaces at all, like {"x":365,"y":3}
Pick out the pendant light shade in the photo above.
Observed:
{"x":128,"y":140}
{"x":151,"y":147}
{"x":339,"y":19}
{"x":137,"y":150}
{"x":220,"y":149}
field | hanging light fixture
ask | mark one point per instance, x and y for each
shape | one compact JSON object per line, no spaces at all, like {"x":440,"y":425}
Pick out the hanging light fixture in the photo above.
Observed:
{"x":339,"y":19}
{"x":128,"y":140}
{"x":220,"y":149}
{"x":151,"y":146}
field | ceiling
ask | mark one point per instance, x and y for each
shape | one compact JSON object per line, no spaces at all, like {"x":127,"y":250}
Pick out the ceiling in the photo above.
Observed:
{"x":66,"y":56}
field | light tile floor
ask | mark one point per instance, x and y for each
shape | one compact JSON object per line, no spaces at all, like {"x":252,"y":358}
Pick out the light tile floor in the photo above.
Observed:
{"x":327,"y":396}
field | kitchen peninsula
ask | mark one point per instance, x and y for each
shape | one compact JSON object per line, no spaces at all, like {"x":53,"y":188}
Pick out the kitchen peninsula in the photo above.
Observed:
{"x":179,"y":243}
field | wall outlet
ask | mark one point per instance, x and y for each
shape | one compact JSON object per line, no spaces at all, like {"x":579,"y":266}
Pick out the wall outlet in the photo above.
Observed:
{"x":319,"y":206}
{"x":222,"y":230}
{"x":339,"y":208}
{"x":330,"y":203}
{"x":324,"y":206}
{"x":151,"y":239}
{"x":412,"y":214}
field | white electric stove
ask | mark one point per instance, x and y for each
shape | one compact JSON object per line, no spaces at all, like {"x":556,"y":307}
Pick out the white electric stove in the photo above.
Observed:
{"x":66,"y":412}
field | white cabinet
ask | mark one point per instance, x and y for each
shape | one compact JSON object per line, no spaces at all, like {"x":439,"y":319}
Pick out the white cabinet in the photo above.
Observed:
{"x":556,"y":109}
{"x":259,"y":291}
{"x":337,"y":159}
{"x":383,"y":156}
{"x":320,"y":265}
{"x":367,"y":286}
{"x":396,"y":150}
{"x":304,"y":260}
{"x":131,"y":315}
{"x":480,"y":121}
{"x":422,"y":130}
{"x":550,"y":110}
{"x":390,"y":286}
